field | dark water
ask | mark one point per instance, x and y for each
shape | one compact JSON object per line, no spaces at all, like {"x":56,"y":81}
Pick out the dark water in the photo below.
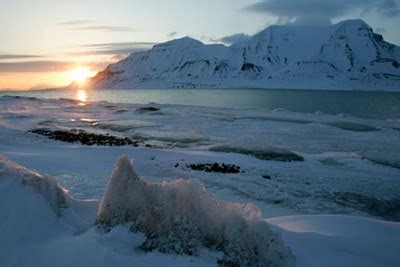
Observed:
{"x":360,"y":104}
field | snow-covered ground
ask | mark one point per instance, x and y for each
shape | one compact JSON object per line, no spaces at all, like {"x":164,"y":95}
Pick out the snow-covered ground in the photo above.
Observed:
{"x":350,"y":168}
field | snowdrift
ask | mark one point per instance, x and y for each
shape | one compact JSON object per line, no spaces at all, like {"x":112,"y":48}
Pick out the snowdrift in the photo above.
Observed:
{"x":181,"y":216}
{"x":44,"y":184}
{"x":337,"y":240}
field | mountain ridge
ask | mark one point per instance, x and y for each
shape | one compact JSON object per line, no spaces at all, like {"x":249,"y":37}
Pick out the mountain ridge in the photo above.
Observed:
{"x":345,"y":56}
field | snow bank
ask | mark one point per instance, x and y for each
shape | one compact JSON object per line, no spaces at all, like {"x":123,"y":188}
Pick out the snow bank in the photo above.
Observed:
{"x":181,"y":216}
{"x":45,"y":185}
{"x":336,"y":240}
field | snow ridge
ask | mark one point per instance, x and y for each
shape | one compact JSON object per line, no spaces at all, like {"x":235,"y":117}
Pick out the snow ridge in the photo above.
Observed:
{"x":347,"y":55}
{"x":44,"y":184}
{"x":180,"y":216}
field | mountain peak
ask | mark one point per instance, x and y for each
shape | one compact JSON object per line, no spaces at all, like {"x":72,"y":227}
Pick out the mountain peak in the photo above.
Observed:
{"x":346,"y":55}
{"x":354,"y":24}
{"x":185,"y":42}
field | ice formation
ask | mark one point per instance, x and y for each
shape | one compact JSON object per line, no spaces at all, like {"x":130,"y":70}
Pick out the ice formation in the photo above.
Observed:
{"x":181,"y":216}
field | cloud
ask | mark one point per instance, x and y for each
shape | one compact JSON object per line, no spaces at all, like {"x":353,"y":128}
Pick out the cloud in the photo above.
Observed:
{"x":317,"y":11}
{"x":380,"y":30}
{"x":81,"y":25}
{"x":120,"y":49}
{"x":75,"y":22}
{"x":389,"y":8}
{"x":103,"y":28}
{"x":45,"y":66}
{"x":34,"y":66}
{"x":114,"y":45}
{"x":17,"y":56}
{"x":117,"y":57}
{"x":232,"y":39}
{"x":172,"y":34}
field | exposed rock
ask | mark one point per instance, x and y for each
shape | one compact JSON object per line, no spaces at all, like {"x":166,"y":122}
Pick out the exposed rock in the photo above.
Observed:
{"x":215,"y":167}
{"x":148,"y":109}
{"x":270,"y":153}
{"x":351,"y":126}
{"x":85,"y":138}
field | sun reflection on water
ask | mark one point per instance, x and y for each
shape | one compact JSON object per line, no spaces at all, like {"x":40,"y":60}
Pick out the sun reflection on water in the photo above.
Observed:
{"x":81,"y":96}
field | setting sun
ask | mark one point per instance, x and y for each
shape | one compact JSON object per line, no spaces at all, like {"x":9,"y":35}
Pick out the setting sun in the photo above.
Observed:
{"x":80,"y":74}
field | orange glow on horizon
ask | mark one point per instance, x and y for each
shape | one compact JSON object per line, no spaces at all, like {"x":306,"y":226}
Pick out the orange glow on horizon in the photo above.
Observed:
{"x":44,"y":80}
{"x":33,"y":80}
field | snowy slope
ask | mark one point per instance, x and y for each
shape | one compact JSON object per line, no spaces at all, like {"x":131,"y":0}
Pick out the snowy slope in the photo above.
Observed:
{"x":340,"y":240}
{"x":33,"y":235}
{"x":347,"y":55}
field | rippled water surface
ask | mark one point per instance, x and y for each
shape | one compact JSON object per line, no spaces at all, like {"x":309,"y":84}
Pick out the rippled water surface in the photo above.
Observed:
{"x":359,"y":104}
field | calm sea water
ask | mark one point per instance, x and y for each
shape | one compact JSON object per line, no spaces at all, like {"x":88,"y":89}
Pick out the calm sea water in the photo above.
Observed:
{"x":360,"y":104}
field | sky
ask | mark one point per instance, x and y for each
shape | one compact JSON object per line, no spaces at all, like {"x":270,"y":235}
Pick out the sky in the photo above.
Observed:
{"x":43,"y":42}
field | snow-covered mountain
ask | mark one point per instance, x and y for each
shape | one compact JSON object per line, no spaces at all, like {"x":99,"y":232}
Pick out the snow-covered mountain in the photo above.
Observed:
{"x":344,"y":56}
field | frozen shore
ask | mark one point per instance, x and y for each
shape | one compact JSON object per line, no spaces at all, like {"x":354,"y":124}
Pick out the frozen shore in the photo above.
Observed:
{"x":290,"y":163}
{"x":328,"y":183}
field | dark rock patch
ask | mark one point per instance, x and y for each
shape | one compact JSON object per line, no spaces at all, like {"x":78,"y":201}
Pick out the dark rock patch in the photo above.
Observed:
{"x":88,"y":139}
{"x":272,"y":153}
{"x":267,"y":177}
{"x":351,"y":126}
{"x":148,"y":109}
{"x":250,"y":67}
{"x":215,"y":167}
{"x":120,"y":111}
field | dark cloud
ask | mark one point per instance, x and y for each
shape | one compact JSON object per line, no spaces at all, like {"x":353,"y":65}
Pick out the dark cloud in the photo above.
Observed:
{"x":317,"y":11}
{"x":81,"y":25}
{"x":103,"y":28}
{"x":18,"y":56}
{"x":232,"y":39}
{"x":172,"y":34}
{"x":75,"y":22}
{"x":117,"y":57}
{"x":118,"y":49}
{"x":389,"y":8}
{"x":108,"y":45}
{"x":34,"y":66}
{"x":380,"y":30}
{"x":45,"y":66}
